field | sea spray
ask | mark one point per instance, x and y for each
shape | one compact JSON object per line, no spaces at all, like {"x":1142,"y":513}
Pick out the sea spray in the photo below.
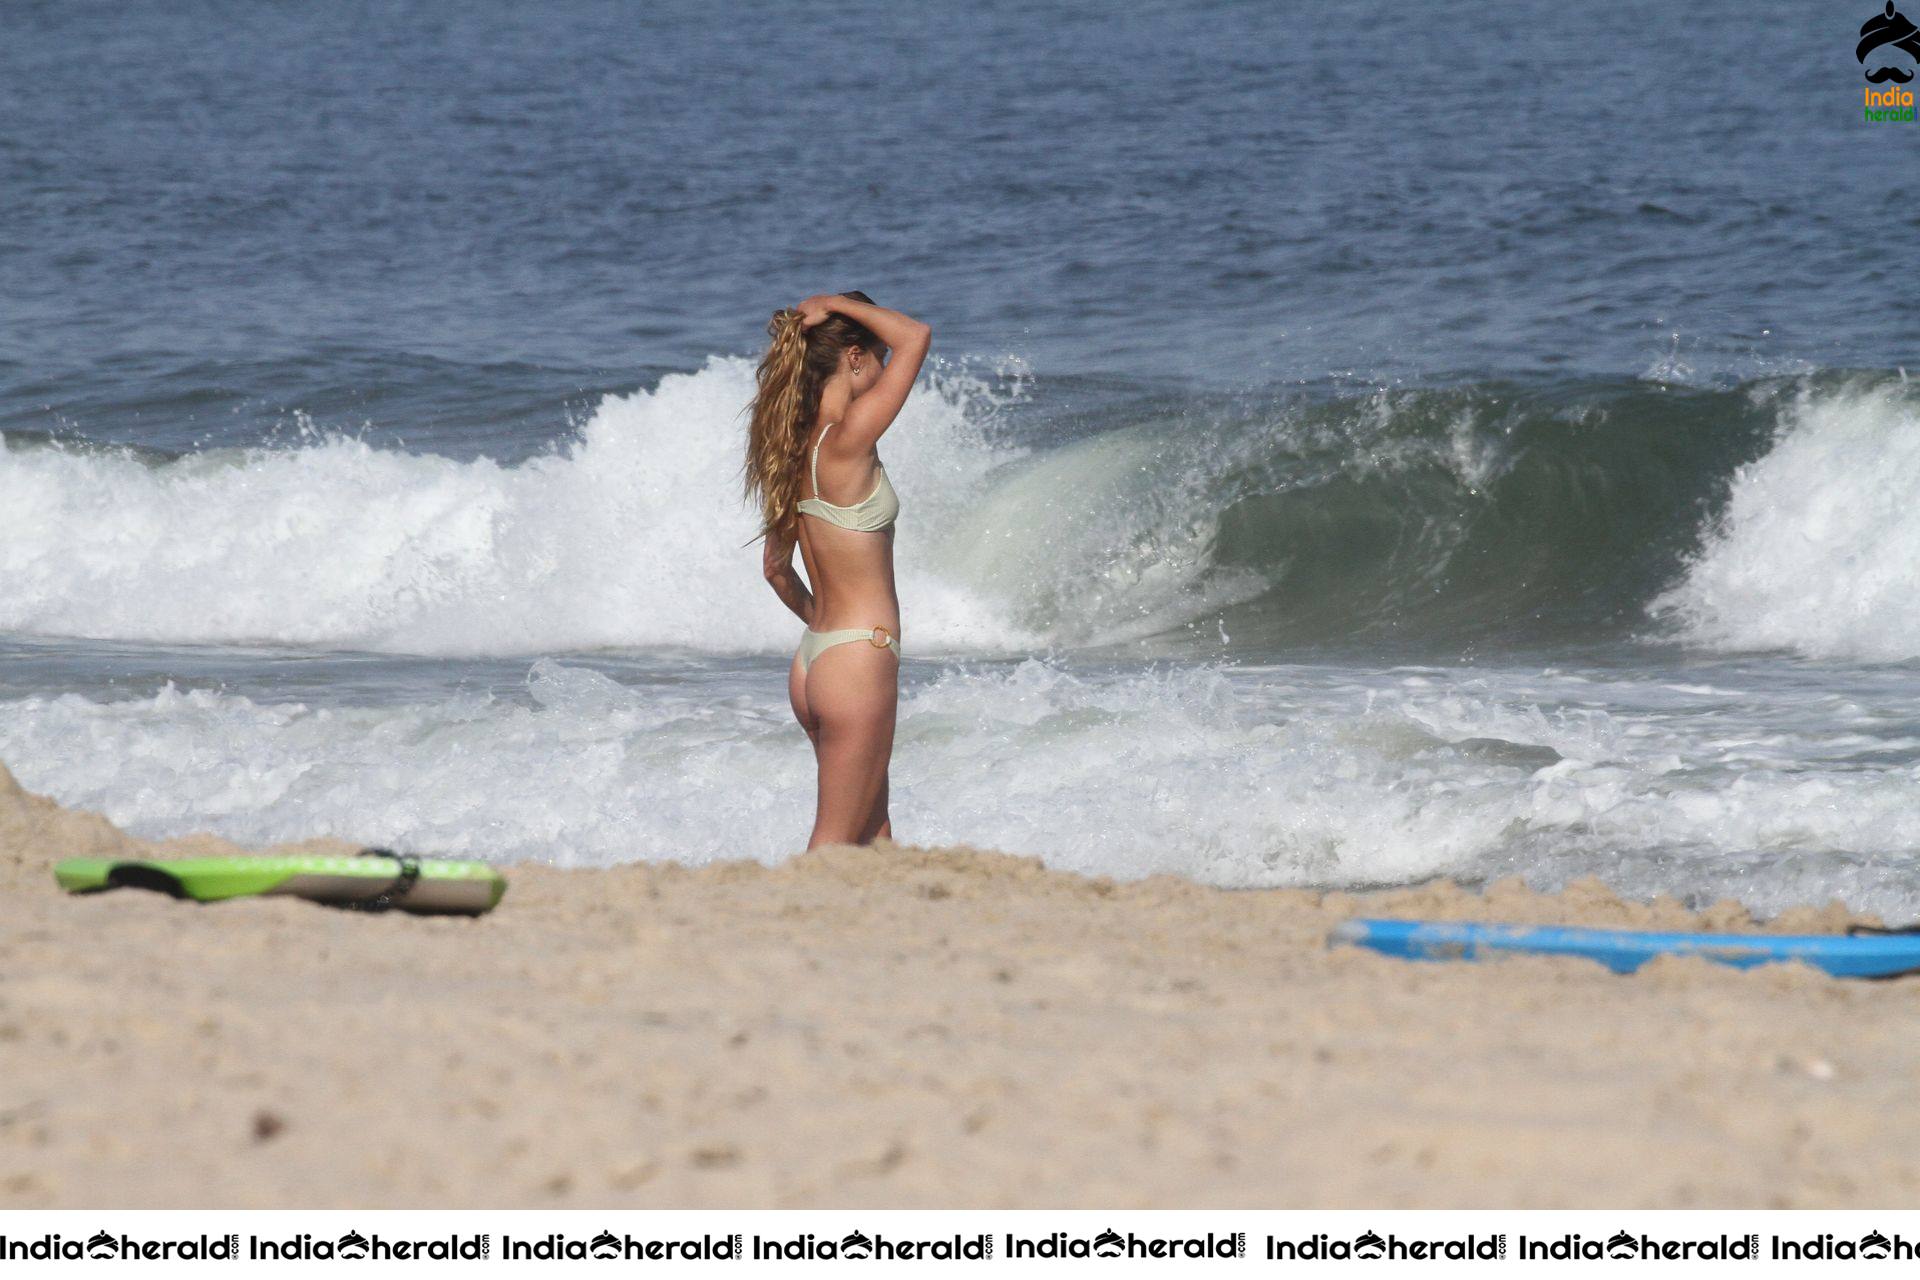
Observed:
{"x":1818,"y":548}
{"x":633,"y":534}
{"x":1706,"y":780}
{"x":1478,"y":515}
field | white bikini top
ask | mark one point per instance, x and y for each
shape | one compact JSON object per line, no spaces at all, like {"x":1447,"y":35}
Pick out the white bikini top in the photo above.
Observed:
{"x":877,"y":511}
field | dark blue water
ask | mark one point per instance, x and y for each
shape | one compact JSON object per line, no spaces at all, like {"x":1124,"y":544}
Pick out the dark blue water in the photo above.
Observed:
{"x":452,"y":219}
{"x":1321,"y":396}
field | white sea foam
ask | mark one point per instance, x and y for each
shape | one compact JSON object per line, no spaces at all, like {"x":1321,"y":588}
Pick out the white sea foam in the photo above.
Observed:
{"x":1818,"y":550}
{"x":630,"y":536}
{"x":1702,"y":778}
{"x":1279,"y":776}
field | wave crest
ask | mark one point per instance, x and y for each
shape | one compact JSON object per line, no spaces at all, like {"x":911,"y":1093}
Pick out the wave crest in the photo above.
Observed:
{"x":1456,"y":517}
{"x":1818,"y":547}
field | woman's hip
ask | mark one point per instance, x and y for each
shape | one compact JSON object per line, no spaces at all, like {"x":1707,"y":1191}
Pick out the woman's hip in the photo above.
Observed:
{"x":814,"y":643}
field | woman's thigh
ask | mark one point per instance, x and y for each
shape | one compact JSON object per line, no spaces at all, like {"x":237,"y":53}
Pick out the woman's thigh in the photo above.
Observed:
{"x":853,"y":693}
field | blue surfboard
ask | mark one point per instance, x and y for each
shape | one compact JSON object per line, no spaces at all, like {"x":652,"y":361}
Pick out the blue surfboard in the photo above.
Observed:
{"x":1624,"y":950}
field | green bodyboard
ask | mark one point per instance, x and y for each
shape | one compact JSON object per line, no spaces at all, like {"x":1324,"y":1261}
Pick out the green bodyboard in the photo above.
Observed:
{"x":444,"y":885}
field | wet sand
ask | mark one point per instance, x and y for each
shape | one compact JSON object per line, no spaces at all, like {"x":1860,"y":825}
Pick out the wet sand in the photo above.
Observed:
{"x":908,"y":1027}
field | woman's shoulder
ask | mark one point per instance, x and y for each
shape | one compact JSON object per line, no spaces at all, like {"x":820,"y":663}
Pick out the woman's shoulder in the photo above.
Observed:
{"x":839,"y":443}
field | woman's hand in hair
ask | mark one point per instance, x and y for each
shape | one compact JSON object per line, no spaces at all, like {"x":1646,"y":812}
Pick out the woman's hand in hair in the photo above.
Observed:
{"x":817,"y":308}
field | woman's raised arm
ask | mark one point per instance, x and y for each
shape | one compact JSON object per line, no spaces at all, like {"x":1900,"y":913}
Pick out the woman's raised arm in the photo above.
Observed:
{"x":908,"y":340}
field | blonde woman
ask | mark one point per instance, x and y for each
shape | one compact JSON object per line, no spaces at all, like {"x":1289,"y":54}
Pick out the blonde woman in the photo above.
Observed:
{"x":830,"y":385}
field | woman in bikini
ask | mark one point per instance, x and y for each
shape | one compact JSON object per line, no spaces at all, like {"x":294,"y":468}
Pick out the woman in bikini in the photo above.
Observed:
{"x":836,"y":374}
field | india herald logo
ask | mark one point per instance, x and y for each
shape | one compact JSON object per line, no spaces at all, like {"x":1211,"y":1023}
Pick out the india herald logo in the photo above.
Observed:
{"x":1880,"y":35}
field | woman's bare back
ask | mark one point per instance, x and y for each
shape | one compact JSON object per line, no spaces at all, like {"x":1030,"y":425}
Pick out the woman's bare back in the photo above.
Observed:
{"x":850,"y":570}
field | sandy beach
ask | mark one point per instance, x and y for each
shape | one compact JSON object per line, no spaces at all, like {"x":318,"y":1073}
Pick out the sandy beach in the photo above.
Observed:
{"x":907,"y":1027}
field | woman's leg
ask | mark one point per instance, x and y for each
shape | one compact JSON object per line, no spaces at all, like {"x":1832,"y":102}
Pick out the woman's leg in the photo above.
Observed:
{"x":879,"y":824}
{"x":852,"y":691}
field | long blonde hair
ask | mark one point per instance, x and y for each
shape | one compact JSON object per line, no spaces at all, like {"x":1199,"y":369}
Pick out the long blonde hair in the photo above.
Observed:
{"x":796,"y":366}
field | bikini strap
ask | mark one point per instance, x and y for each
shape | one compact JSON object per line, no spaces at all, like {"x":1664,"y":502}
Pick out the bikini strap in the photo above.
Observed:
{"x":816,"y":457}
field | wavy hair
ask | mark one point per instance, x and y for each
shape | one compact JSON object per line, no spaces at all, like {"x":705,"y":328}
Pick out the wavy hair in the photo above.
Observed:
{"x":796,"y":366}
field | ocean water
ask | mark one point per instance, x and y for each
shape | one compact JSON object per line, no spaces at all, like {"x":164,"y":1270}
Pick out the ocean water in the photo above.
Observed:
{"x":1363,"y":445}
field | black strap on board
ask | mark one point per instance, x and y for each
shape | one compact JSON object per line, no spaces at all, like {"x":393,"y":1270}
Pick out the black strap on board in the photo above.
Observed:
{"x":403,"y":883}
